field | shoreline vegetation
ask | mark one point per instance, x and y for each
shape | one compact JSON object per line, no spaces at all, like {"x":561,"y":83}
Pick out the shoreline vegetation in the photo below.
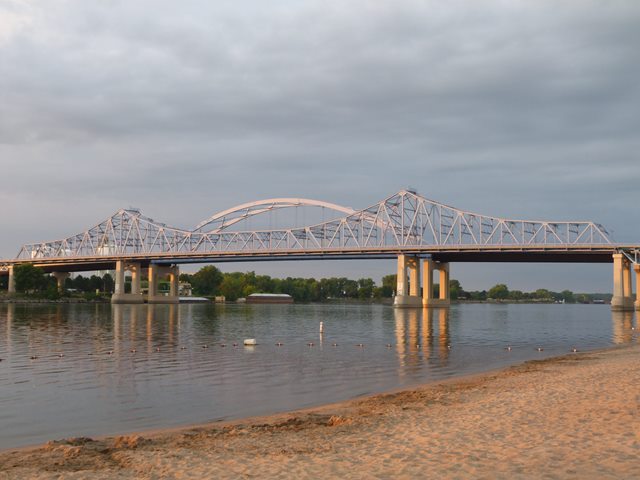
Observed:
{"x":572,"y":416}
{"x":33,"y":285}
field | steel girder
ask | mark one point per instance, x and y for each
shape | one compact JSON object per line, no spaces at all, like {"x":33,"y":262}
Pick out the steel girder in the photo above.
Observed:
{"x":405,"y":219}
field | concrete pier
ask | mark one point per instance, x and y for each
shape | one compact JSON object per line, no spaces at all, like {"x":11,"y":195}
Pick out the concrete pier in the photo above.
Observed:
{"x":408,"y":289}
{"x":155,"y":273}
{"x":119,"y":295}
{"x":637,"y":302}
{"x":12,"y":281}
{"x":60,"y":278}
{"x":428,"y":298}
{"x":411,"y":295}
{"x":622,"y":299}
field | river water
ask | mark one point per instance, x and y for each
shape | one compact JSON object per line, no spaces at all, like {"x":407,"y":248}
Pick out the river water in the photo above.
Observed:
{"x":83,"y":370}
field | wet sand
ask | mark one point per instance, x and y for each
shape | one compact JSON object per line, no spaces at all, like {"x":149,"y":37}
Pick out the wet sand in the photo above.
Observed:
{"x":576,"y":416}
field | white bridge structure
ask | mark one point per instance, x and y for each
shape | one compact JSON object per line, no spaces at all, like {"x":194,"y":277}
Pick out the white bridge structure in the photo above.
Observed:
{"x":417,"y":231}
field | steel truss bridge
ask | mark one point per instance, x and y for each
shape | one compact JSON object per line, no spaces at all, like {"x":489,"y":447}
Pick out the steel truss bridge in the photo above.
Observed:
{"x":404,"y":223}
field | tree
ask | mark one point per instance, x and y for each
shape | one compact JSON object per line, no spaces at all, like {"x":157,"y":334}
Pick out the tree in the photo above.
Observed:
{"x":232,"y":285}
{"x":516,"y":295}
{"x":365,"y":288}
{"x":29,"y":278}
{"x":543,"y":294}
{"x":108,"y":283}
{"x":455,"y":289}
{"x":498,"y":292}
{"x":389,"y":283}
{"x":568,"y":296}
{"x":207,"y":281}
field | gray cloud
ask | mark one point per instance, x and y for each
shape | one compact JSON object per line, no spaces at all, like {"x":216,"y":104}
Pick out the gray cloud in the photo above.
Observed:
{"x":521,"y":109}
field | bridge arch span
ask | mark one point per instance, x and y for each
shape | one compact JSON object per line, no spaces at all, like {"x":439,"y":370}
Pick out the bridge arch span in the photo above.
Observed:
{"x":226,"y":218}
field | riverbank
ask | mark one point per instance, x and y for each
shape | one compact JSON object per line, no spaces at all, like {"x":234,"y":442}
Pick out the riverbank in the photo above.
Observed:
{"x":575,"y":416}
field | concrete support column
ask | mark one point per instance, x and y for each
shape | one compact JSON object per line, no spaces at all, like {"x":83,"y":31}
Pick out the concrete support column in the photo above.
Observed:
{"x":135,"y":278}
{"x":153,"y":280}
{"x":621,"y":300}
{"x":403,"y":297}
{"x":119,"y":280}
{"x":444,"y":281}
{"x":60,"y":277}
{"x":156,"y":272}
{"x":174,"y":276}
{"x":12,"y":281}
{"x":628,"y":289}
{"x":119,"y":296}
{"x":414,"y":276}
{"x":401,"y":281}
{"x":427,"y":282}
{"x":428,"y":299}
{"x":637,"y":302}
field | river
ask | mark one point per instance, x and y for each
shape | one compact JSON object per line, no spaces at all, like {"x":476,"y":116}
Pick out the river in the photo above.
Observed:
{"x":85,"y":370}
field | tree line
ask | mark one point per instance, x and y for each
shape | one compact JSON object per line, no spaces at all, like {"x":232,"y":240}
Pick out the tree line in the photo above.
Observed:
{"x":210,"y":281}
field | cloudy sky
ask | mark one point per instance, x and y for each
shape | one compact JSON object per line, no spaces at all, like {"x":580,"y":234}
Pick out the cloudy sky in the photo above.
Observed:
{"x":526,"y":109}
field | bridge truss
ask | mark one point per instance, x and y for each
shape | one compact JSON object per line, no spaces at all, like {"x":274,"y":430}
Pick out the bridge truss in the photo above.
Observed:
{"x":402,"y":220}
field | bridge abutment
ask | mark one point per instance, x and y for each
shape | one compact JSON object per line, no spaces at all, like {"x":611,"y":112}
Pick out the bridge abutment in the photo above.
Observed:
{"x":119,"y":295}
{"x":622,"y":299}
{"x":155,"y":273}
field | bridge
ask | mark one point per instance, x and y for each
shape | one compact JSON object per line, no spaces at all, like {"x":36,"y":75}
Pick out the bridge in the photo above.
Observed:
{"x":422,"y":234}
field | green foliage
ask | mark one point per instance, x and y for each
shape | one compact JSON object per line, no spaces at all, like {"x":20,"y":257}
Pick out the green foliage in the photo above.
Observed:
{"x":208,"y":281}
{"x":389,"y":283}
{"x":455,"y":289}
{"x":29,"y":278}
{"x":232,"y":286}
{"x":499,"y":292}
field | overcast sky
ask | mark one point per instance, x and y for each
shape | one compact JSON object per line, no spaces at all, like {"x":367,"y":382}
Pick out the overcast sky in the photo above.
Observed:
{"x":526,"y":109}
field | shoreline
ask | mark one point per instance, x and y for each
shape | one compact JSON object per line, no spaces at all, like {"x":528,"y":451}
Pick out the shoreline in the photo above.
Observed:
{"x":305,"y":435}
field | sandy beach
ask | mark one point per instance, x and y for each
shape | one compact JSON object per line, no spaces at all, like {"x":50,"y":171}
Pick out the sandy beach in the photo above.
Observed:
{"x":576,"y":416}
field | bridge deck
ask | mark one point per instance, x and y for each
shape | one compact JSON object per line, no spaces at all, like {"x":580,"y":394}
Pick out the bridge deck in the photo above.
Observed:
{"x":474,"y":253}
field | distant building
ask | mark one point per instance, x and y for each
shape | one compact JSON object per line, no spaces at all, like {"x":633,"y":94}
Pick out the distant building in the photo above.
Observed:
{"x":269,"y":298}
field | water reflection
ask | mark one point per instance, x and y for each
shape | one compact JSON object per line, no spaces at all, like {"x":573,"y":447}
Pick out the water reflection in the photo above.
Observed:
{"x":415,"y":332}
{"x":623,"y":327}
{"x":128,"y":367}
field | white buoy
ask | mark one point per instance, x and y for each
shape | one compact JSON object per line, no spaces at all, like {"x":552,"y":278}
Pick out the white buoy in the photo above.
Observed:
{"x":321,"y":327}
{"x":250,"y":341}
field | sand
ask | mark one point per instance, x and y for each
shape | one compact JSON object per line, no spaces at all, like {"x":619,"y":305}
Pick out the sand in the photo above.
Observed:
{"x":576,"y":416}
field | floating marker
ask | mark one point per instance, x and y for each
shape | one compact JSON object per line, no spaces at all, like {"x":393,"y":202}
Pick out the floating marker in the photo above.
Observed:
{"x":250,"y":341}
{"x":321,"y":327}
